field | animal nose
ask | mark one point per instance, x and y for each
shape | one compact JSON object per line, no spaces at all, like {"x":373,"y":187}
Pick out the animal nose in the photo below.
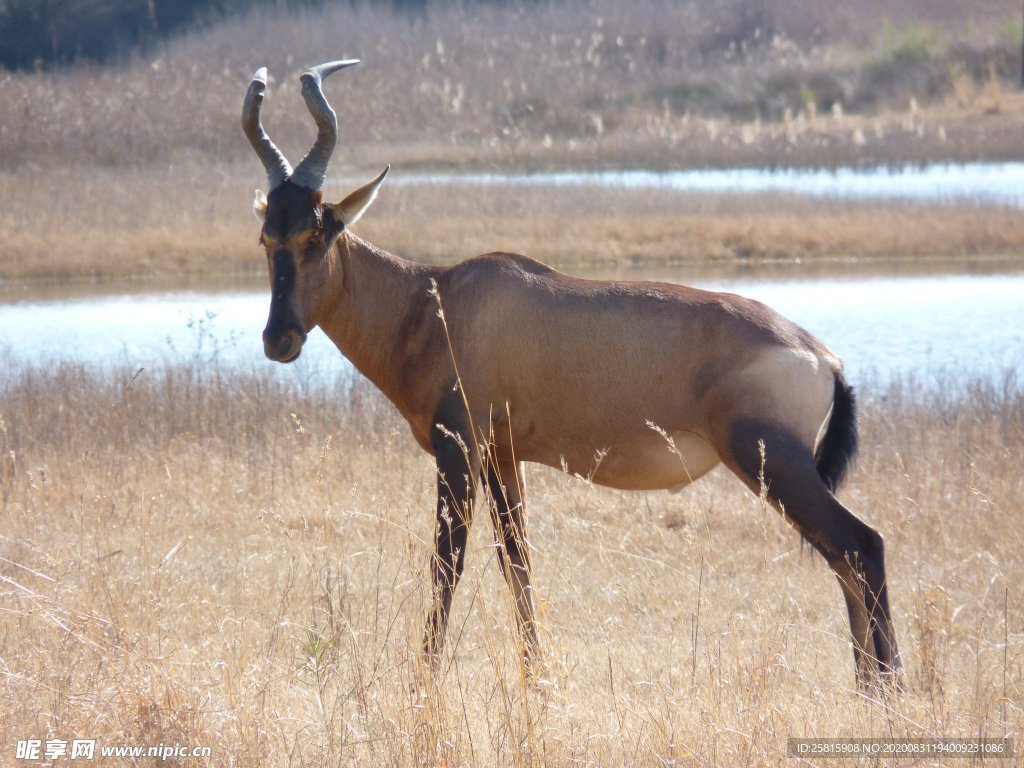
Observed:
{"x":283,"y":348}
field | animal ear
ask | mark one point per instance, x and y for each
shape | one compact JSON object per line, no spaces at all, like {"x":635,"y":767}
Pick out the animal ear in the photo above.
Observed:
{"x":348,"y":211}
{"x":259,"y":205}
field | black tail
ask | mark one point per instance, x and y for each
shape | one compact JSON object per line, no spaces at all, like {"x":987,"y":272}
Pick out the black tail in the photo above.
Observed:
{"x":839,"y":446}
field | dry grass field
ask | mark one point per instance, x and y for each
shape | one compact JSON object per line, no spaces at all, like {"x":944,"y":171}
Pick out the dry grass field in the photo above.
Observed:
{"x":198,"y":557}
{"x":204,"y":557}
{"x":567,"y":82}
{"x":110,"y":228}
{"x":140,"y":168}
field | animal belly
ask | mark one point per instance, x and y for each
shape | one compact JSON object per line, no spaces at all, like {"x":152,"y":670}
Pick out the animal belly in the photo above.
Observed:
{"x":654,"y":461}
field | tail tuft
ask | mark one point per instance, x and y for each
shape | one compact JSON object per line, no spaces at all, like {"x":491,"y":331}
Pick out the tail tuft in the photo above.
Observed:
{"x":838,"y":448}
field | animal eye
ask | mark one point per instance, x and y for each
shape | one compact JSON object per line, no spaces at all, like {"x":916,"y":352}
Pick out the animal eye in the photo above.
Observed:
{"x":313,"y":249}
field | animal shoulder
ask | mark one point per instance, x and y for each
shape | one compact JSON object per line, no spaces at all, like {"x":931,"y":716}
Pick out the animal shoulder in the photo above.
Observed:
{"x":500,"y":262}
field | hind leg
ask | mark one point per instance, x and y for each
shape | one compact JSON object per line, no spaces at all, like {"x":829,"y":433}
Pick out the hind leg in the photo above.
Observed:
{"x":853,"y":549}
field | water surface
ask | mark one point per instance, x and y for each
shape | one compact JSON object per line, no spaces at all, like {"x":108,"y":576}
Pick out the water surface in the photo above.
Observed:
{"x":974,"y":183}
{"x":929,"y":326}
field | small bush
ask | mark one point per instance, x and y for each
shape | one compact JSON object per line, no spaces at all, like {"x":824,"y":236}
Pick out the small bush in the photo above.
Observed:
{"x":909,"y":45}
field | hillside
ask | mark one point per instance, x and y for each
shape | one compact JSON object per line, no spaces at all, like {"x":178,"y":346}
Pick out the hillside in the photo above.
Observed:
{"x":763,"y":82}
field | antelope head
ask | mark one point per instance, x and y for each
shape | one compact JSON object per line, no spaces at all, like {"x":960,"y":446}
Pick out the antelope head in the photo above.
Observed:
{"x":299,"y":228}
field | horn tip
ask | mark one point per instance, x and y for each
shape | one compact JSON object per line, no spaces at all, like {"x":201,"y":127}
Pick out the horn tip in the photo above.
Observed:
{"x":334,"y":66}
{"x":320,"y":71}
{"x":260,"y":75}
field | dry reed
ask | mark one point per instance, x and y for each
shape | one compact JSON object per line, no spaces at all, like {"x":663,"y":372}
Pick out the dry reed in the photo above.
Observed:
{"x":569,"y":83}
{"x":205,"y":557}
{"x":141,"y":169}
{"x":110,"y":227}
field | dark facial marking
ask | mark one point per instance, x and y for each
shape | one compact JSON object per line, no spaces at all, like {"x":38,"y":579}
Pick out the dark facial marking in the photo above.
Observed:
{"x":282,"y":319}
{"x":284,"y":275}
{"x":291,"y":210}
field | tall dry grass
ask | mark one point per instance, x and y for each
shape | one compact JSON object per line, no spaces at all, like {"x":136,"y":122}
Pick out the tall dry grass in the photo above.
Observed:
{"x":110,"y":224}
{"x":204,"y":557}
{"x":542,"y":83}
{"x":141,"y":169}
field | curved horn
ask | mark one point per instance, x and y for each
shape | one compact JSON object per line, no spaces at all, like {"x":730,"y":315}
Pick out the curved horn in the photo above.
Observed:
{"x":311,"y":172}
{"x":277,"y":167}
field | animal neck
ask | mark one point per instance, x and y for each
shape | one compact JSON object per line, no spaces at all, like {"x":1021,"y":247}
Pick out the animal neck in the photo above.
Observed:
{"x":369,"y":320}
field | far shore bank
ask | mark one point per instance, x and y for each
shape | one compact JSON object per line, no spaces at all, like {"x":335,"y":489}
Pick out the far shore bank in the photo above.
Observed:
{"x":192,"y":221}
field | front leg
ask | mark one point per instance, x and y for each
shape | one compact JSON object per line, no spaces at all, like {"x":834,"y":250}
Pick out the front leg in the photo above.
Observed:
{"x":508,"y":516}
{"x":456,"y":489}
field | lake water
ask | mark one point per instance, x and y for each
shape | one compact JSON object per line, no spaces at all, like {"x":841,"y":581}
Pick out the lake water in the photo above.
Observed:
{"x":977,"y":183}
{"x":929,"y":327}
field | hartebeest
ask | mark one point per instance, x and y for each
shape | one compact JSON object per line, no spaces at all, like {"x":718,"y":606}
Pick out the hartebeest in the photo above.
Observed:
{"x":528,"y":364}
